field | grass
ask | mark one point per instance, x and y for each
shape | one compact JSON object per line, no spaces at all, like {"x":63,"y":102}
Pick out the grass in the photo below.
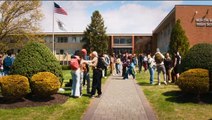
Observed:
{"x":72,"y":109}
{"x":170,"y":103}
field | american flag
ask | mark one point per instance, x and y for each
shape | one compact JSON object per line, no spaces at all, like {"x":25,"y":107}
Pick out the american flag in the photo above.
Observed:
{"x":59,"y":10}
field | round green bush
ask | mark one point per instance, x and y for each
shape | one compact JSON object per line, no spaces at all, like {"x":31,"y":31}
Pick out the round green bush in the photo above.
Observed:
{"x":14,"y":86}
{"x":194,"y":81}
{"x":36,"y":57}
{"x":199,"y":56}
{"x":44,"y":84}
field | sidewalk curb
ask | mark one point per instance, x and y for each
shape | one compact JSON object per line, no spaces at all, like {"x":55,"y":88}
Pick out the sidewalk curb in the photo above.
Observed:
{"x":147,"y":107}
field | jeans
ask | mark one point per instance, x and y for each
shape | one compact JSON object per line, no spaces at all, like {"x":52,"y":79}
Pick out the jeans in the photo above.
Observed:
{"x":75,"y":83}
{"x":118,"y":68}
{"x":151,"y":72}
{"x":129,"y":71}
{"x":86,"y":77}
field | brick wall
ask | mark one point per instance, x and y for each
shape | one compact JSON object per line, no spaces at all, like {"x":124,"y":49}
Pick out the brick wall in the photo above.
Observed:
{"x":188,"y":16}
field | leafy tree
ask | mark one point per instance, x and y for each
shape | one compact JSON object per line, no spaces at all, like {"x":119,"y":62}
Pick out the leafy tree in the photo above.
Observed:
{"x":179,"y":41}
{"x":18,"y":22}
{"x":95,"y":37}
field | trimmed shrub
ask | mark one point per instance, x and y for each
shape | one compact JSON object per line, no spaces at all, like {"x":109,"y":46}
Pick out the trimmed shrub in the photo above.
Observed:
{"x":194,"y":81}
{"x":199,"y":56}
{"x":14,"y":86}
{"x":44,"y":84}
{"x":36,"y":57}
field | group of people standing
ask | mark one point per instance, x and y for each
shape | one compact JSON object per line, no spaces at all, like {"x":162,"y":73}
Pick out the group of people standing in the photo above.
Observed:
{"x":169,"y":68}
{"x":81,"y":75}
{"x":121,"y":64}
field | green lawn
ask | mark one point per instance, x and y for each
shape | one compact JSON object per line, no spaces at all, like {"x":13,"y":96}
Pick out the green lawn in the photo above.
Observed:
{"x":72,"y":109}
{"x":170,"y":103}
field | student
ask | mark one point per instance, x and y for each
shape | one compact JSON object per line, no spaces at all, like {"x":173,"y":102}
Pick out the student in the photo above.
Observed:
{"x":168,"y":66}
{"x":7,"y":63}
{"x":159,"y":59}
{"x":177,"y":64}
{"x":76,"y":76}
{"x":151,"y":67}
{"x":85,"y":68}
{"x":97,"y":65}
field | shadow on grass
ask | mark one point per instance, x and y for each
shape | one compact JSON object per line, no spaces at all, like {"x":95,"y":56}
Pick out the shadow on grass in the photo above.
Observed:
{"x":180,"y":97}
{"x":144,"y":84}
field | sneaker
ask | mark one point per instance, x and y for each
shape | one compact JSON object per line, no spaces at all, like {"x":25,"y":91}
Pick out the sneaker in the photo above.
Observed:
{"x":158,"y":83}
{"x":165,"y":82}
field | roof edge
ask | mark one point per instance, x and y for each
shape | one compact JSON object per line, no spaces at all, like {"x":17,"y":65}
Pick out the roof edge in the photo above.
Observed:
{"x":167,"y":16}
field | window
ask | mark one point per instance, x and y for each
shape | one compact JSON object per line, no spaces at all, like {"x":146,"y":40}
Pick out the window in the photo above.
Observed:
{"x":122,"y":41}
{"x":74,"y":39}
{"x":62,"y":39}
{"x":61,"y":51}
{"x":129,"y":41}
{"x":116,"y":41}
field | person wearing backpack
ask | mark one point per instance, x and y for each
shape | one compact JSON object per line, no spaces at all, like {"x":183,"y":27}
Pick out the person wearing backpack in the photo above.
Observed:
{"x":159,"y":59}
{"x":177,"y":65}
{"x":7,"y":63}
{"x":97,"y":64}
{"x":76,"y":75}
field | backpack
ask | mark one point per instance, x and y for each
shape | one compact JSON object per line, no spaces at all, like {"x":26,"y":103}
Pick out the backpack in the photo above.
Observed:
{"x":74,"y":64}
{"x":158,"y":58}
{"x":100,"y":63}
{"x":7,"y":62}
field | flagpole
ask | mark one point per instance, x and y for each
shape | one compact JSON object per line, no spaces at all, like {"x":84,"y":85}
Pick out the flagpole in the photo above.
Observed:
{"x":53,"y":32}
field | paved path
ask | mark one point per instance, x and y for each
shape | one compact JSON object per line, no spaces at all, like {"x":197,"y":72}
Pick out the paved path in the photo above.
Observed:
{"x":121,"y":100}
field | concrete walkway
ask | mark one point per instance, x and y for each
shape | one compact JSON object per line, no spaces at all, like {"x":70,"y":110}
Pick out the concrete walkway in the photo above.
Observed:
{"x":121,"y":100}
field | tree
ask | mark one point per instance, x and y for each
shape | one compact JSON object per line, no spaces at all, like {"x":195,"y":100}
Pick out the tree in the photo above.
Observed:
{"x":179,"y":41}
{"x":94,"y":36}
{"x":18,"y":23}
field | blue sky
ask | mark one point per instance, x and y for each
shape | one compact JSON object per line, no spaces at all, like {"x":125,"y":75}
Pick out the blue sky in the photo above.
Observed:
{"x":119,"y":16}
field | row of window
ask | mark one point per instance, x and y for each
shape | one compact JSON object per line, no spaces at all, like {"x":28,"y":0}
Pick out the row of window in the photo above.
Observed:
{"x":120,"y":40}
{"x":64,"y":39}
{"x":62,"y":51}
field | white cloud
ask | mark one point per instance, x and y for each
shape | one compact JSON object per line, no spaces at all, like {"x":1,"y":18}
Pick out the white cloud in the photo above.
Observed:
{"x":167,"y":5}
{"x":127,"y":18}
{"x":133,"y":18}
{"x":77,"y":18}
